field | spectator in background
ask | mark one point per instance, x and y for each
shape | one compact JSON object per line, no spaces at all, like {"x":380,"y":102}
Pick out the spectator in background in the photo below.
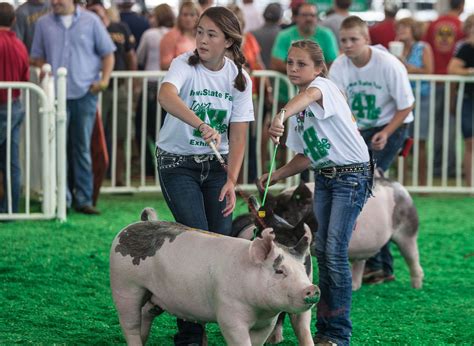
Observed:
{"x":384,"y":32}
{"x":463,"y":64}
{"x":148,"y":52}
{"x":442,"y":35}
{"x":148,"y":55}
{"x":14,"y":67}
{"x":86,"y":51}
{"x":181,"y":38}
{"x":379,"y":94}
{"x":267,"y":33}
{"x":340,"y":12}
{"x":418,"y":59}
{"x":137,"y":23}
{"x":125,"y":60}
{"x":306,"y":28}
{"x":205,"y":4}
{"x":26,"y":16}
{"x":252,"y":16}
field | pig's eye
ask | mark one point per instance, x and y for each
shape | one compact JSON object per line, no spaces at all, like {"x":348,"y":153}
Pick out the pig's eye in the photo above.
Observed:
{"x":280,"y":271}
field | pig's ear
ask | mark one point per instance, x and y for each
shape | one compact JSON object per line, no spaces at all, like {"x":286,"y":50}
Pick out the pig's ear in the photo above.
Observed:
{"x":302,"y":246}
{"x":253,"y":204}
{"x":261,"y":248}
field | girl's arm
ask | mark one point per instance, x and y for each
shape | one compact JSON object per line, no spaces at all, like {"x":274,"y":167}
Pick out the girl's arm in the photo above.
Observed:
{"x":458,"y":66}
{"x":298,"y":164}
{"x":172,"y":103}
{"x":297,"y":104}
{"x":237,"y":142}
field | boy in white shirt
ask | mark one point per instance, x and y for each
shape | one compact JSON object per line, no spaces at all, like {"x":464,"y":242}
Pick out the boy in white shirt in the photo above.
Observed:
{"x":379,"y":94}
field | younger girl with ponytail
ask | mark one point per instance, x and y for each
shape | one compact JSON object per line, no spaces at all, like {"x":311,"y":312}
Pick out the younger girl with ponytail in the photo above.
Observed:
{"x":325,"y":137}
{"x":208,"y":97}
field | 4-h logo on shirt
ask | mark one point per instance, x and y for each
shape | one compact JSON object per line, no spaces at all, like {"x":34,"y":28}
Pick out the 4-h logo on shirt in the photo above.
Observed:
{"x":214,"y":117}
{"x":364,"y":108}
{"x":316,"y":148}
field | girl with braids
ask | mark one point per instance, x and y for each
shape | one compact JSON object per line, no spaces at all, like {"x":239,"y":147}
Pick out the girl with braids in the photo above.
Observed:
{"x":208,"y":97}
{"x":324,"y":134}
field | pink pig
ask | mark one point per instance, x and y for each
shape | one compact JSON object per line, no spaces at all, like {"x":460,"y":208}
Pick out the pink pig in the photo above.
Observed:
{"x":242,"y":285}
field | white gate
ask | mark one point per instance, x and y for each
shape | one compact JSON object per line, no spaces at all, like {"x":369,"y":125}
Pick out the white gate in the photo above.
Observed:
{"x":52,"y":132}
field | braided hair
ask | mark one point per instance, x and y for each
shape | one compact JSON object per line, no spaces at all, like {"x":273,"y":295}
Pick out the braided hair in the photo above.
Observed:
{"x":230,"y":26}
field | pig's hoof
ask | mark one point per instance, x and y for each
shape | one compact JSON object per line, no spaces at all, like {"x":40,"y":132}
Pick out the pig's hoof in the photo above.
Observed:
{"x":275,"y":338}
{"x":356,"y":285}
{"x":417,"y":283}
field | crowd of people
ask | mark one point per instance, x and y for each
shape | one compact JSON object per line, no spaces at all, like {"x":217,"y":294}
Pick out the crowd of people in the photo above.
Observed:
{"x":353,"y":110}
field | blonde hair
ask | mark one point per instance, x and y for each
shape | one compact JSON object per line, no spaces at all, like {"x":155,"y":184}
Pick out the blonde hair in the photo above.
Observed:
{"x":468,"y":24}
{"x":190,"y":5}
{"x":352,"y":22}
{"x":415,"y":26}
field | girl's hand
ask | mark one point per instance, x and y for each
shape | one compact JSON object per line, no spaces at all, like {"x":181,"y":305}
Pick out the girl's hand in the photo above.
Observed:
{"x":209,"y":134}
{"x":262,"y":181}
{"x":228,"y":192}
{"x":276,"y":129}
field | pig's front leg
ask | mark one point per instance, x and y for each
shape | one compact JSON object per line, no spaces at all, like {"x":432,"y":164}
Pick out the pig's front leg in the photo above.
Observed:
{"x":357,"y":272}
{"x":235,"y":333}
{"x":301,"y":324}
{"x":259,"y":336}
{"x":234,"y":325}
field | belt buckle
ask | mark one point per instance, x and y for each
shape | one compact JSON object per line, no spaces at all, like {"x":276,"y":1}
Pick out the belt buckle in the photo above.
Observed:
{"x":200,"y":158}
{"x":330,"y":175}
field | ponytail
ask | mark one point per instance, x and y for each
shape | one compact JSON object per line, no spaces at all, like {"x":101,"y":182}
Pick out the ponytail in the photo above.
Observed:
{"x":240,"y":82}
{"x":193,"y":60}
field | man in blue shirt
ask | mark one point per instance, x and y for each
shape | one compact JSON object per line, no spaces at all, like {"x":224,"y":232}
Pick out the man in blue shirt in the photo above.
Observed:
{"x":74,"y":38}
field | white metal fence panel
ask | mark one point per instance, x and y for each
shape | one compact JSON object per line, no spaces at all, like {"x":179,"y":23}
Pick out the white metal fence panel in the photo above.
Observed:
{"x":51,"y":199}
{"x":443,"y":140}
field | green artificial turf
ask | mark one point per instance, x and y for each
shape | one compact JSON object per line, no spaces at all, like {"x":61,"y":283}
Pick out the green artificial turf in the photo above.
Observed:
{"x":54,"y":286}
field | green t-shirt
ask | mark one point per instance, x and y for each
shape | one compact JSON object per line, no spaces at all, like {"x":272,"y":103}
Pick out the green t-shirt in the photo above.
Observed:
{"x":322,"y":36}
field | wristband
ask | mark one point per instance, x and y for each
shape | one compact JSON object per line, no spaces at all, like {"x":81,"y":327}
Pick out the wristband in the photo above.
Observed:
{"x":199,"y":127}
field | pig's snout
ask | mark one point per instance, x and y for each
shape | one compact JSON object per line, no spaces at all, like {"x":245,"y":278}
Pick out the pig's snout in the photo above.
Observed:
{"x":311,"y":294}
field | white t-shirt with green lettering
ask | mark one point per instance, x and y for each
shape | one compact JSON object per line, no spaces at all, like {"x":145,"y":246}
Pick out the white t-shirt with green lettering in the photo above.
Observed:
{"x":328,"y":135}
{"x":375,"y":91}
{"x":212,"y":97}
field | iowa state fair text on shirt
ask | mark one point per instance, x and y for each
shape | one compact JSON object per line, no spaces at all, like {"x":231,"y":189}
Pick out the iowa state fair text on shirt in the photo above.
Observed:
{"x":208,"y":92}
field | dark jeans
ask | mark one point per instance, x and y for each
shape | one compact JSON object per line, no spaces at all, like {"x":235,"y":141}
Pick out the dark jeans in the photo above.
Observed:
{"x":81,"y":118}
{"x":337,"y":203}
{"x":17,"y":116}
{"x":191,"y":186}
{"x":383,"y":159}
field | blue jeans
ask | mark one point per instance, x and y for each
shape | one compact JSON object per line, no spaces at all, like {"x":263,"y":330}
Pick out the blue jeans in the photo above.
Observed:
{"x":81,"y":119}
{"x":17,"y":117}
{"x":191,"y":186}
{"x":337,"y":203}
{"x":467,"y":116}
{"x":384,"y":158}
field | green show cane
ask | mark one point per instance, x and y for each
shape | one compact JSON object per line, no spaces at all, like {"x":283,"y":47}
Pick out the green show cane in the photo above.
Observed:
{"x":262,"y":213}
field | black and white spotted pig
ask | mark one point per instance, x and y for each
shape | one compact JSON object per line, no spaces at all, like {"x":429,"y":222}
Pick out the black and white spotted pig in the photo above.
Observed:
{"x":242,"y":285}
